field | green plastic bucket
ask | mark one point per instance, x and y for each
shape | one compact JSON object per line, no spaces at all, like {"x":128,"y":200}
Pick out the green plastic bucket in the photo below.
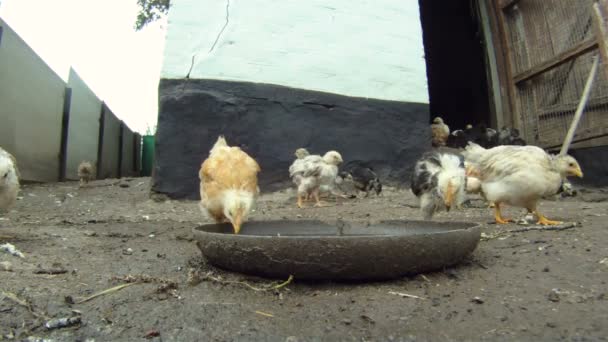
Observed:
{"x":147,"y":155}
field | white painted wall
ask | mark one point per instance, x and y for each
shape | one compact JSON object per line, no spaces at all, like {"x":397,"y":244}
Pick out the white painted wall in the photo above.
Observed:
{"x":359,"y":48}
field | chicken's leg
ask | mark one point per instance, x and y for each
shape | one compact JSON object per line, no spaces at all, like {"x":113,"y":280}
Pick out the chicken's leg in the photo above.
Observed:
{"x":300,"y":205}
{"x":498,"y":216}
{"x":318,"y":201}
{"x":490,"y":204}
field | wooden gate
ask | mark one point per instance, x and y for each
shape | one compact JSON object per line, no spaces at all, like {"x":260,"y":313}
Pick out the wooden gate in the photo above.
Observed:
{"x":548,"y":49}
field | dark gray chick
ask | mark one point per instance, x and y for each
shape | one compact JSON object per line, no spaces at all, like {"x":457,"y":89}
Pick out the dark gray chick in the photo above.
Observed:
{"x":364,"y":179}
{"x":510,"y":136}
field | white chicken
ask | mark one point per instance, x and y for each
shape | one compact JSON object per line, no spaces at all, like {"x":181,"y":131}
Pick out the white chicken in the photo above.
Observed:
{"x":439,"y":181}
{"x":520,"y":176}
{"x":297,"y":164}
{"x":300,"y":154}
{"x":312,"y":172}
{"x":9,"y":179}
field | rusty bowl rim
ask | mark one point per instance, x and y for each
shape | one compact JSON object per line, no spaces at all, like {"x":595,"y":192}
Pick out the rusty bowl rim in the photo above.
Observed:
{"x":472,"y":226}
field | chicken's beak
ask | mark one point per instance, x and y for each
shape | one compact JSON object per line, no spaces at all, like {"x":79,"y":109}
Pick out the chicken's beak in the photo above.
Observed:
{"x":237,"y":221}
{"x":449,"y":196}
{"x":577,"y":172}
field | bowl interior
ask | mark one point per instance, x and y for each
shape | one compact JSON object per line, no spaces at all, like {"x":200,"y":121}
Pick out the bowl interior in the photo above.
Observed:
{"x":311,"y":228}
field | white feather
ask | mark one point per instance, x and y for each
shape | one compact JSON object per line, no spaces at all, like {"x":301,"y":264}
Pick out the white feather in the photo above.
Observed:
{"x":9,"y":180}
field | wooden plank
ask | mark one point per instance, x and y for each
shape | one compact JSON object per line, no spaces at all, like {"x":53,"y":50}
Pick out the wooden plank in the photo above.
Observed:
{"x":557,"y":60}
{"x":587,"y":134}
{"x":504,"y":4}
{"x":591,"y":142}
{"x":570,"y":107}
{"x":502,"y":65}
{"x":601,"y":32}
{"x":491,"y":67}
{"x":508,"y":64}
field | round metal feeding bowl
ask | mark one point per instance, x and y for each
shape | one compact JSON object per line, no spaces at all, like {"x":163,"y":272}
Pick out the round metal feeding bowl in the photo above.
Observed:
{"x":343,"y":251}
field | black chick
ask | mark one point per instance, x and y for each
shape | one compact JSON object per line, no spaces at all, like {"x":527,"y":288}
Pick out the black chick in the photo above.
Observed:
{"x":480,"y":135}
{"x":484,"y":136}
{"x":364,"y":179}
{"x":457,"y":139}
{"x":510,"y":136}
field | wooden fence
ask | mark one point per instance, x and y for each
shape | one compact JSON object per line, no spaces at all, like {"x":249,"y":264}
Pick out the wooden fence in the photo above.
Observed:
{"x":548,"y":48}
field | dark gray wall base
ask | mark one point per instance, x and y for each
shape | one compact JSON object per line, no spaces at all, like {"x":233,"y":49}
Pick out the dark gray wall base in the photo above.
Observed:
{"x":594,"y":162}
{"x":270,"y":122}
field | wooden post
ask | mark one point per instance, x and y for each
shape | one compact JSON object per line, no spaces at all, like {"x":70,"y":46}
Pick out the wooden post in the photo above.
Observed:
{"x":506,"y":47}
{"x":599,"y":15}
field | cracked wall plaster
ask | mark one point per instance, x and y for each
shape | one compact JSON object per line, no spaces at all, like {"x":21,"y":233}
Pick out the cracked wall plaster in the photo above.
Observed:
{"x":350,"y":47}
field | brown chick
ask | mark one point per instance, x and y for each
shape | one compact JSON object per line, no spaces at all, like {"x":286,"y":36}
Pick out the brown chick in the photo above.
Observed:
{"x":86,"y":172}
{"x":440,"y":131}
{"x":229,"y":184}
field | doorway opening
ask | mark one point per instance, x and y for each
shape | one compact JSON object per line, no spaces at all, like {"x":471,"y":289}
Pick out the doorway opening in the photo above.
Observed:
{"x":455,"y":63}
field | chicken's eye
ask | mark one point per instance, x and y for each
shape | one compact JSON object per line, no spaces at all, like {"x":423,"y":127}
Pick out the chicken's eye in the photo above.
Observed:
{"x":571,"y":164}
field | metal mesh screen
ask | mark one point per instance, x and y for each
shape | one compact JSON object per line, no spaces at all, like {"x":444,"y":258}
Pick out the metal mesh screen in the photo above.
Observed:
{"x":552,"y":44}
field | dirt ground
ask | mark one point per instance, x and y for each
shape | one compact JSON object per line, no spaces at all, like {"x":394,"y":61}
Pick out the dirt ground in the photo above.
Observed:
{"x":530,"y":285}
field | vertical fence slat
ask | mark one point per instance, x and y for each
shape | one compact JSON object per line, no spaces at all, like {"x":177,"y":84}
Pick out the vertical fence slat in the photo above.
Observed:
{"x":120,"y":148}
{"x":102,"y":118}
{"x":65,"y":126}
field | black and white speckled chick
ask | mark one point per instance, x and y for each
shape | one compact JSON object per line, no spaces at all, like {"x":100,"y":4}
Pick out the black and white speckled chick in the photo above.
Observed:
{"x":439,"y":181}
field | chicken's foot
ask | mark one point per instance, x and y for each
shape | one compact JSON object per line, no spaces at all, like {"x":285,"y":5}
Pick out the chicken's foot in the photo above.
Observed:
{"x":498,"y":216}
{"x":542,"y":220}
{"x":300,"y":205}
